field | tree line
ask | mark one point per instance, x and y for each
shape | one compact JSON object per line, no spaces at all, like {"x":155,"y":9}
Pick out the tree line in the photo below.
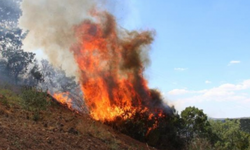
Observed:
{"x":191,"y":129}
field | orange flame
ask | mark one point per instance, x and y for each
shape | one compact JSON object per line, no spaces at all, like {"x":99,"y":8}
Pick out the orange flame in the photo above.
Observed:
{"x":111,"y":64}
{"x":111,"y":67}
{"x":64,"y":99}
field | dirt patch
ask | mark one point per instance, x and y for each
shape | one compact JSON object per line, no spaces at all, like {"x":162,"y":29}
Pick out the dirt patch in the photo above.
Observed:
{"x":57,"y":128}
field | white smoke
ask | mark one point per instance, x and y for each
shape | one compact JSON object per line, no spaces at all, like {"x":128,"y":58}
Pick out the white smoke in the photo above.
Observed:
{"x":50,"y":27}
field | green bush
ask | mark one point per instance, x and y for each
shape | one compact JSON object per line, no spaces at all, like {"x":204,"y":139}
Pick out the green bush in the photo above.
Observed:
{"x":34,"y":100}
{"x":9,"y":98}
{"x":4,"y":100}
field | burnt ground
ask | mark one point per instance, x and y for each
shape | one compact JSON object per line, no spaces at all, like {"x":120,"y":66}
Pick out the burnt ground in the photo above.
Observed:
{"x":57,"y":128}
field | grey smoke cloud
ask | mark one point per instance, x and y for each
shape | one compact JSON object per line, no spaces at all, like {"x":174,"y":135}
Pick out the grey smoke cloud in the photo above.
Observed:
{"x":50,"y":27}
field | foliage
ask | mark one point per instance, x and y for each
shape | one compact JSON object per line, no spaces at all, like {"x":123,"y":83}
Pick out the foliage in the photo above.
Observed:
{"x":34,"y":100}
{"x":195,"y":123}
{"x":135,"y":126}
{"x":230,"y":135}
{"x":245,"y":124}
{"x":55,"y":79}
{"x":34,"y":76}
{"x":16,"y":60}
{"x":203,"y":134}
{"x":8,"y":97}
{"x":9,"y":10}
{"x":167,"y":133}
{"x":158,"y":131}
{"x":4,"y":100}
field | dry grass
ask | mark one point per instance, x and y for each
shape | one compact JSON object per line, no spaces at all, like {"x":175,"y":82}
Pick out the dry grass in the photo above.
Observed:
{"x":57,"y":128}
{"x":199,"y":144}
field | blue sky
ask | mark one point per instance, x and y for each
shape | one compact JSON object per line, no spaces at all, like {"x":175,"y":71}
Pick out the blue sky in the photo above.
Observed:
{"x":201,"y":53}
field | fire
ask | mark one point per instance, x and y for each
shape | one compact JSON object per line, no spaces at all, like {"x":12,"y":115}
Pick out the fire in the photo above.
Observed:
{"x":111,"y":64}
{"x":63,"y":98}
{"x":111,"y":67}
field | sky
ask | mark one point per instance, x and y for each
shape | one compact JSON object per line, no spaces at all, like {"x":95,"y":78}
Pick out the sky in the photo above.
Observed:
{"x":201,"y":53}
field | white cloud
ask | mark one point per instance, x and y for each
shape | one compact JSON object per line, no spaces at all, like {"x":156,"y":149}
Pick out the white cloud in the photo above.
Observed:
{"x":222,"y":98}
{"x":234,"y":62}
{"x":208,"y":82}
{"x":220,"y":90}
{"x":180,"y":69}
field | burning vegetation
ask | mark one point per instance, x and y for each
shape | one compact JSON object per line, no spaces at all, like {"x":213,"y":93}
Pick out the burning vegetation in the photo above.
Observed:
{"x":110,"y":63}
{"x":105,"y":61}
{"x":95,"y":68}
{"x":111,"y":69}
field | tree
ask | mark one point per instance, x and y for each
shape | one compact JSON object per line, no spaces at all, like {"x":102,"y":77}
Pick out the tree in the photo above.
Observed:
{"x":55,"y":80}
{"x":34,"y":76}
{"x":196,"y":124}
{"x":160,"y":131}
{"x":245,"y":124}
{"x":230,"y":135}
{"x":17,"y":61}
{"x":9,"y":11}
{"x":36,"y":73}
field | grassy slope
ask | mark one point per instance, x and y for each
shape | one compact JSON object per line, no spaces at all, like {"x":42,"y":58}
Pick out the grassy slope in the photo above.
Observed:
{"x":57,"y":128}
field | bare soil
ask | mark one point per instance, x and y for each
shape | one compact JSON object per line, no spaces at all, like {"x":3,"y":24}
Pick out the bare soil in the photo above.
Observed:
{"x":57,"y":128}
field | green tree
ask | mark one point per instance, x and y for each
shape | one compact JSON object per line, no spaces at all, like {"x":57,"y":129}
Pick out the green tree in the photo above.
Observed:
{"x":17,"y":61}
{"x":245,"y":124}
{"x":9,"y":11}
{"x":230,"y":135}
{"x":195,"y":123}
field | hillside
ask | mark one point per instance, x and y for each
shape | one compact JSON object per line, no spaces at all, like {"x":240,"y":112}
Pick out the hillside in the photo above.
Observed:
{"x":56,"y":128}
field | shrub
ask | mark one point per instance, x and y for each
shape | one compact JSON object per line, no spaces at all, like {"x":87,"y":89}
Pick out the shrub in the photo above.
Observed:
{"x":160,"y":132}
{"x":9,"y":98}
{"x":34,"y":100}
{"x":4,"y":100}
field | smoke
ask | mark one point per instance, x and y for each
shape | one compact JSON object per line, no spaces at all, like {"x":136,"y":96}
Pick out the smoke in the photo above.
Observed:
{"x":83,"y":39}
{"x":111,"y":61}
{"x":50,"y":27}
